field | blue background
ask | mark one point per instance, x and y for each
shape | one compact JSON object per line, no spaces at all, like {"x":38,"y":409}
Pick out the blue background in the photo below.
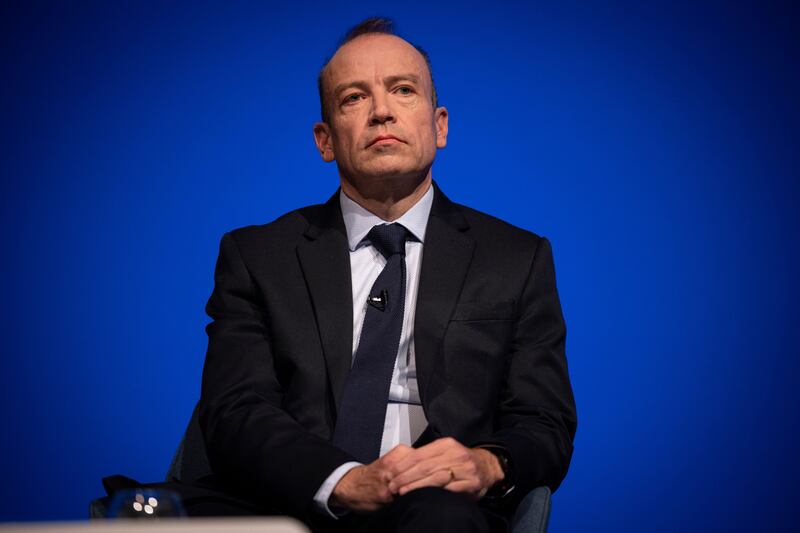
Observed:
{"x":656,"y":146}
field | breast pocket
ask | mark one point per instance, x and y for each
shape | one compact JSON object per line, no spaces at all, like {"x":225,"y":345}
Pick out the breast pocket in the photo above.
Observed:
{"x":476,"y":346}
{"x":500,"y":311}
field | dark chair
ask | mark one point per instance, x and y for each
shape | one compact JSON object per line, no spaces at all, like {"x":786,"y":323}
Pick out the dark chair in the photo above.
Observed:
{"x":190,"y":464}
{"x":533,"y":512}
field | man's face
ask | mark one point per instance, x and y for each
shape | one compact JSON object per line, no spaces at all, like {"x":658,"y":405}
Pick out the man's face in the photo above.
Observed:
{"x":382,"y":124}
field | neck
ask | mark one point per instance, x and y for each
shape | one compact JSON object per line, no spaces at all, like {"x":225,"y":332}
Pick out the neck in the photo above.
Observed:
{"x":388,"y":199}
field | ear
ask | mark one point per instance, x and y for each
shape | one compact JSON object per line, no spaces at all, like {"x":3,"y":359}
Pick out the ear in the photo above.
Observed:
{"x":440,"y":119}
{"x":322,"y":138}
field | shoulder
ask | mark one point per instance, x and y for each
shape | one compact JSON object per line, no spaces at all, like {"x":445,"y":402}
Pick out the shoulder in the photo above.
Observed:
{"x":287,"y":228}
{"x":492,"y":231}
{"x":273,"y":245}
{"x":488,"y":231}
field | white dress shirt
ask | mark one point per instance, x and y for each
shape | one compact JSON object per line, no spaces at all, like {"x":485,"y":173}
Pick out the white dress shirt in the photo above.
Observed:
{"x":405,"y":419}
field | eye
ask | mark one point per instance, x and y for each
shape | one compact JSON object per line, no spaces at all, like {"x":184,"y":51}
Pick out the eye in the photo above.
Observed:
{"x":352,"y":98}
{"x":405,"y":90}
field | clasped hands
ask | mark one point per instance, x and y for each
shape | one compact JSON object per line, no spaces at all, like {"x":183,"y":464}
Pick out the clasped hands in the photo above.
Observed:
{"x":443,"y":463}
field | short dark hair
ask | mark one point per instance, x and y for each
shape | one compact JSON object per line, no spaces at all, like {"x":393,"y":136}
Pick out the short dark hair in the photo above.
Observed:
{"x":372,"y":25}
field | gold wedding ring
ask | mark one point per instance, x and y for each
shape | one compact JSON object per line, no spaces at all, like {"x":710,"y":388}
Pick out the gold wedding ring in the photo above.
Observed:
{"x":452,"y":474}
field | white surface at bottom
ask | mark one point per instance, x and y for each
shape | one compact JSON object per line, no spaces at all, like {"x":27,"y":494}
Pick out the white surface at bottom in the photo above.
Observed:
{"x":164,"y":525}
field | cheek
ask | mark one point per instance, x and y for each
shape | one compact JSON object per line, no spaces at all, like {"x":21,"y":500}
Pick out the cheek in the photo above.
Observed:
{"x":426,"y":135}
{"x":344,"y":143}
{"x":346,"y":131}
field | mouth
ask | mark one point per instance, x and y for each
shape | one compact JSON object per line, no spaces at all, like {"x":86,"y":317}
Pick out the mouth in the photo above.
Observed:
{"x":384,"y":140}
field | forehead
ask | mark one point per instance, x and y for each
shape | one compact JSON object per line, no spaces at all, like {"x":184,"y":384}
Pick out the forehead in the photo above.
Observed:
{"x":372,"y":55}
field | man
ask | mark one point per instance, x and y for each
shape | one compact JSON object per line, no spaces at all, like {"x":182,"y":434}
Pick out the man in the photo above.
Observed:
{"x":388,"y":359}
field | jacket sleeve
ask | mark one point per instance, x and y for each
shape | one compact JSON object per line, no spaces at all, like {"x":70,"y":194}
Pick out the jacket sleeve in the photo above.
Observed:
{"x":537,"y":417}
{"x":253,"y":444}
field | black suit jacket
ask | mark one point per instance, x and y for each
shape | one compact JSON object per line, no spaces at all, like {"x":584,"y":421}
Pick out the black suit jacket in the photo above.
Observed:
{"x":489,"y":342}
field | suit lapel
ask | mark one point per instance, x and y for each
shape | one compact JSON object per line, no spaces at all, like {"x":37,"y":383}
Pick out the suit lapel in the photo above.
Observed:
{"x":445,"y":261}
{"x":325,"y":261}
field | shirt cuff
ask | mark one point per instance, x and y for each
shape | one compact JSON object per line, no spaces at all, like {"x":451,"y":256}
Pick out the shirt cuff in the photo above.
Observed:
{"x":326,"y":489}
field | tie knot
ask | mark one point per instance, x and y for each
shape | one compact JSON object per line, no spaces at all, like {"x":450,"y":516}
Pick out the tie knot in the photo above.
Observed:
{"x":389,"y":239}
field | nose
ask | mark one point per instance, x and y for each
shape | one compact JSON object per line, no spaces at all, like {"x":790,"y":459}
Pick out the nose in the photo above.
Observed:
{"x":381,"y":111}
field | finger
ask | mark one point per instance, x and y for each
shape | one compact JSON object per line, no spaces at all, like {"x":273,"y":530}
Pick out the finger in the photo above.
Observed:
{"x":422,"y":470}
{"x":440,"y":478}
{"x":410,"y":459}
{"x":441,"y":445}
{"x":437,"y":474}
{"x":460,"y":467}
{"x":399,"y":451}
{"x":448,"y":456}
{"x":451,"y":457}
{"x":467,"y":486}
{"x":437,"y":447}
{"x":395,"y":455}
{"x":440,"y":448}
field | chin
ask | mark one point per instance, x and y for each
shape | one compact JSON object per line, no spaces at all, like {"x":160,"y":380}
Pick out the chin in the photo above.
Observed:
{"x":394,"y":175}
{"x":387,"y":172}
{"x":390,"y":168}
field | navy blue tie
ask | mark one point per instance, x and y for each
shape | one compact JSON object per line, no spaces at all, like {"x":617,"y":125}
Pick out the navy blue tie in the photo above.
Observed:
{"x":362,"y":410}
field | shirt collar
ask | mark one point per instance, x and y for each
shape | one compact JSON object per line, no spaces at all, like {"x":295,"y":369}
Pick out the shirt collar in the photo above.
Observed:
{"x":358,"y":221}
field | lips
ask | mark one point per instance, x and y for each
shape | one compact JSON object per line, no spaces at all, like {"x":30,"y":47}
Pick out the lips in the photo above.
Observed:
{"x":390,"y":139}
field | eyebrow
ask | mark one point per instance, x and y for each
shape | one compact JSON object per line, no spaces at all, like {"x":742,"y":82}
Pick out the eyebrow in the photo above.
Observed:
{"x":413,"y":78}
{"x":342,"y":86}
